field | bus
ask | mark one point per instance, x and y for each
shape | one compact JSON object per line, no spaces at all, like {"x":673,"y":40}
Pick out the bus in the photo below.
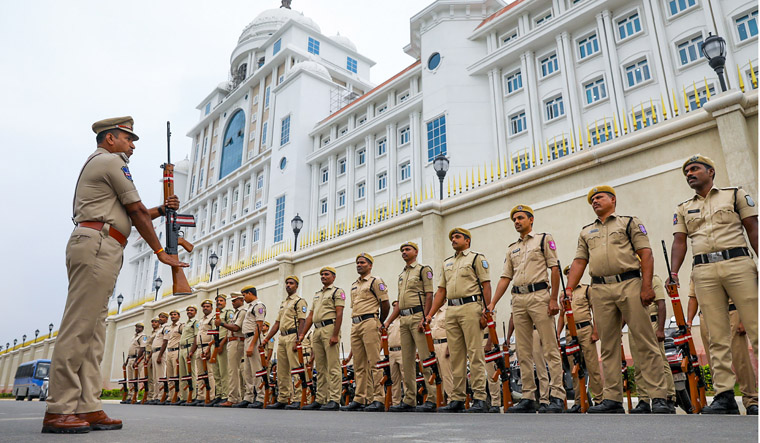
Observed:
{"x":29,"y":380}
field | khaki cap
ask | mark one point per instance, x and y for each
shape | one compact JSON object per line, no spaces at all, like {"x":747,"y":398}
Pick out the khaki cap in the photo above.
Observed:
{"x":462,"y":231}
{"x":236,"y":295}
{"x":192,"y":306}
{"x":221,"y":295}
{"x":174,"y":311}
{"x":294,"y":278}
{"x":365,"y":256}
{"x":328,"y":268}
{"x":410,"y":244}
{"x":521,"y":208}
{"x":163,"y":314}
{"x":698,"y":158}
{"x":597,"y":189}
{"x":249,"y":288}
{"x":140,"y":324}
{"x":207,"y":301}
{"x":124,"y":123}
{"x":154,"y":319}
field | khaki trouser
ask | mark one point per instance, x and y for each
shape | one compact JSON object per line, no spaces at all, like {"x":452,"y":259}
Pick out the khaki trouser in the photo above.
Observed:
{"x":666,"y":372}
{"x":148,"y":365}
{"x":612,"y":303}
{"x":529,"y":310}
{"x":541,"y":372}
{"x":714,"y":284}
{"x":186,"y":394}
{"x":412,"y":339}
{"x":494,"y":386}
{"x":159,"y":376}
{"x":465,"y":340}
{"x":201,"y":385}
{"x":220,"y":374}
{"x":400,"y":388}
{"x":132,"y":376}
{"x":742,"y":363}
{"x":93,"y":261}
{"x":234,"y":355}
{"x":287,"y":359}
{"x":252,"y":365}
{"x":328,"y":365}
{"x":172,"y":372}
{"x":444,"y":367}
{"x":591,"y":357}
{"x":365,"y":342}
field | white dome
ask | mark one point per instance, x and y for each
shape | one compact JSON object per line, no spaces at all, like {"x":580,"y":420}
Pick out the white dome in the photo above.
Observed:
{"x":182,"y":166}
{"x":313,"y":67}
{"x":345,"y":41}
{"x":271,"y":20}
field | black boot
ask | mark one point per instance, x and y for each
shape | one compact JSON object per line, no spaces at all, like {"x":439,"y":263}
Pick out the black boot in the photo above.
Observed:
{"x":660,"y":406}
{"x":454,"y":406}
{"x":401,"y":407}
{"x":277,"y":405}
{"x":242,"y":404}
{"x":312,"y":407}
{"x":353,"y":406}
{"x":752,"y":410}
{"x":478,"y":406}
{"x":428,"y":406}
{"x":556,"y":405}
{"x":723,"y":403}
{"x":256,"y":405}
{"x":607,"y":407}
{"x":641,"y":408}
{"x":525,"y":406}
{"x":293,"y":406}
{"x":375,"y":406}
{"x":574,"y":410}
{"x":330,"y":406}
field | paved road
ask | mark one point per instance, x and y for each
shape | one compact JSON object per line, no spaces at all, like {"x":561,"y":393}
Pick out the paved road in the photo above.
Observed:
{"x":22,"y":421}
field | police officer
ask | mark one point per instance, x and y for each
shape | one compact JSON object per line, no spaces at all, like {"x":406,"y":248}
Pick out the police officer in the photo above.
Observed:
{"x":201,"y":349}
{"x":534,"y":305}
{"x":415,"y":295}
{"x":369,"y":296}
{"x":135,"y":353}
{"x":289,"y":319}
{"x":172,"y":355}
{"x":542,"y":375}
{"x":441,"y":346}
{"x":327,"y":317}
{"x":467,"y":286}
{"x":159,"y":345}
{"x":715,"y":220}
{"x":621,"y":287}
{"x":106,"y":205}
{"x":149,"y":357}
{"x":220,"y":367}
{"x":189,"y":329}
{"x":234,"y":350}
{"x":396,"y":358}
{"x":252,"y":329}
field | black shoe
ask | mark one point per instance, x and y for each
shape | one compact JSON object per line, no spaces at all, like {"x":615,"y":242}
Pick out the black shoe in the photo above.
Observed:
{"x":454,"y":406}
{"x":555,"y":406}
{"x":277,"y":405}
{"x":478,"y":406}
{"x":525,"y":406}
{"x":353,"y":406}
{"x":428,"y":406}
{"x":312,"y":407}
{"x":375,"y":406}
{"x":660,"y":406}
{"x":197,"y":402}
{"x":574,"y":410}
{"x":180,"y":403}
{"x":256,"y":405}
{"x":401,"y":407}
{"x":672,"y":406}
{"x":752,"y":410}
{"x":293,"y":406}
{"x":125,"y":402}
{"x":641,"y":408}
{"x":216,"y":401}
{"x":723,"y":403}
{"x":494,"y":410}
{"x":330,"y":406}
{"x":542,"y":408}
{"x":242,"y":404}
{"x":607,"y":407}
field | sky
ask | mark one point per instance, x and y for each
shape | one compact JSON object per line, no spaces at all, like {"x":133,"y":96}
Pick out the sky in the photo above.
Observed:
{"x":65,"y":65}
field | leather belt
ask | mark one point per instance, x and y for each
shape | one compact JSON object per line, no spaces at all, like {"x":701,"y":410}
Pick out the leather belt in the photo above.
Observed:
{"x":609,"y":279}
{"x":410,"y":311}
{"x":438,"y":341}
{"x":732,"y":307}
{"x":527,"y":289}
{"x":172,"y":349}
{"x":463,"y":300}
{"x":289,"y":332}
{"x":653,"y":317}
{"x":322,"y":324}
{"x":250,"y":334}
{"x":229,"y":339}
{"x":360,"y":318}
{"x":714,"y":257}
{"x":203,"y":345}
{"x":394,"y":348}
{"x":185,"y":346}
{"x":582,"y":324}
{"x":112,"y":232}
{"x":156,"y":349}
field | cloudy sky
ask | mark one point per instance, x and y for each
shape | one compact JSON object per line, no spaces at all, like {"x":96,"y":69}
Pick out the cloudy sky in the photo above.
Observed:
{"x":68,"y":64}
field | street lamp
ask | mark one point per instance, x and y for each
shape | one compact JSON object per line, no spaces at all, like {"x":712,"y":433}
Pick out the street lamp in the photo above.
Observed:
{"x":157,"y":285}
{"x":296,"y":224}
{"x":714,"y":50}
{"x":23,"y":340}
{"x":441,"y":166}
{"x":119,"y":300}
{"x":36,"y":333}
{"x":213,"y":259}
{"x":50,"y":328}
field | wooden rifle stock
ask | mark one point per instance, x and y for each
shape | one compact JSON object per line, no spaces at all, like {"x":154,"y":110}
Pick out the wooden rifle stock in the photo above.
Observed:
{"x":264,"y":374}
{"x":146,"y":384}
{"x":136,"y":381}
{"x":626,"y":377}
{"x":217,"y":342}
{"x":176,"y":383}
{"x":206,"y":382}
{"x":385,"y":365}
{"x":433,"y":360}
{"x":506,"y":393}
{"x":573,"y":347}
{"x":124,"y":382}
{"x":189,"y":379}
{"x":301,"y":372}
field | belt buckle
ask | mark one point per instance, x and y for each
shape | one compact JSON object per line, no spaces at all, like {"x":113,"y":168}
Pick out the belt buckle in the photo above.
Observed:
{"x":713,"y":257}
{"x":610,"y":279}
{"x":523,"y":290}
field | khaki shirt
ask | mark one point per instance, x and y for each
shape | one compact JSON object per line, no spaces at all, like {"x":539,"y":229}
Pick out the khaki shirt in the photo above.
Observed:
{"x":606,"y":246}
{"x":325,"y":301}
{"x":659,"y":294}
{"x":137,"y":342}
{"x":237,"y":318}
{"x":394,"y":334}
{"x":292,"y":307}
{"x":438,"y":323}
{"x":363,"y":301}
{"x":226,"y":315}
{"x":205,"y":324}
{"x":105,"y":187}
{"x":525,"y":262}
{"x":151,"y":337}
{"x":413,"y":282}
{"x":711,"y":222}
{"x":580,"y":304}
{"x":254,"y":311}
{"x":458,"y":276}
{"x":306,"y":345}
{"x":188,"y":331}
{"x":175,"y":332}
{"x":161,"y":335}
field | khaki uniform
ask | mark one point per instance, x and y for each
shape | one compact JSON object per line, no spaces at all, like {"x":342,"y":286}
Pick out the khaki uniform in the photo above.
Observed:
{"x":159,"y":369}
{"x":714,"y":224}
{"x":461,"y":277}
{"x":254,"y":311}
{"x":172,"y":357}
{"x":204,"y":341}
{"x":541,"y":372}
{"x":189,"y":330}
{"x":609,"y":252}
{"x":235,"y":353}
{"x":220,"y":367}
{"x":366,"y":295}
{"x":397,"y":363}
{"x":291,"y":308}
{"x":326,"y":356}
{"x":93,"y":261}
{"x":527,"y":263}
{"x":137,"y":342}
{"x":584,"y":328}
{"x":149,"y":362}
{"x":413,"y":283}
{"x":441,"y":346}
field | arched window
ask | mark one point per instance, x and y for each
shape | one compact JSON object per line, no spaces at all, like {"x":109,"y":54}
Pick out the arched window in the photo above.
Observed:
{"x":232,"y":144}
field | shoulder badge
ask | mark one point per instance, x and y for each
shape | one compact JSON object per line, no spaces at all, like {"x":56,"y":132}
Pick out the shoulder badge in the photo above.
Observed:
{"x":145,"y":338}
{"x":430,"y":275}
{"x":303,"y":309}
{"x":675,"y":219}
{"x":261,"y":310}
{"x":485,"y":264}
{"x":381,"y":286}
{"x":750,"y":202}
{"x":643,"y":229}
{"x":126,"y":172}
{"x":552,"y":245}
{"x":342,"y":295}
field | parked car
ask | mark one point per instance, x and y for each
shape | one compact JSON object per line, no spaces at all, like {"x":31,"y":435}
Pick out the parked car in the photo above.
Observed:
{"x":30,"y":378}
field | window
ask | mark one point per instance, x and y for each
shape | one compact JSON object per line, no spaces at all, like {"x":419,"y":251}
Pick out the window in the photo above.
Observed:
{"x":746,"y":25}
{"x":434,"y":61}
{"x":257,"y":205}
{"x":561,"y":146}
{"x":200,"y":181}
{"x":279,"y":218}
{"x":436,"y":137}
{"x":403,"y":136}
{"x":382,"y":146}
{"x":192,"y":184}
{"x":243,"y":238}
{"x":235,"y":196}
{"x":690,"y":50}
{"x":382,"y":108}
{"x":247,"y":189}
{"x":285,"y":131}
{"x":252,"y":137}
{"x":313,"y":46}
{"x":382,"y":181}
{"x":264,"y":134}
{"x":403,"y":97}
{"x":511,"y":35}
{"x":629,"y":26}
{"x":542,"y":18}
{"x":702,"y":97}
{"x":266,"y":96}
{"x":405,"y":171}
{"x":351,"y":65}
{"x":361,"y":120}
{"x":604,"y":132}
{"x":325,"y":141}
{"x":325,"y":175}
{"x":360,"y":190}
{"x":323,"y":206}
{"x":205,"y":145}
{"x":231,"y":248}
{"x":342,"y":131}
{"x":554,"y":108}
{"x":341,"y":166}
{"x":256,"y":235}
{"x":283,"y":163}
{"x":276,"y":47}
{"x":636,"y":73}
{"x":361,"y":155}
{"x":518,"y":123}
{"x":208,"y":105}
{"x":280,"y":79}
{"x":255,"y":102}
{"x":341,"y":198}
{"x":588,"y":46}
{"x":549,"y":65}
{"x":678,"y":6}
{"x":521,"y":161}
{"x":643,"y":120}
{"x":232,"y":150}
{"x":513,"y":82}
{"x":260,"y":181}
{"x":595,"y":91}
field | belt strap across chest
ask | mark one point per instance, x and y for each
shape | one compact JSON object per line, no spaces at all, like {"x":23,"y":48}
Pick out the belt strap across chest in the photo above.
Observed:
{"x":112,"y":232}
{"x":610,"y":279}
{"x":714,"y":257}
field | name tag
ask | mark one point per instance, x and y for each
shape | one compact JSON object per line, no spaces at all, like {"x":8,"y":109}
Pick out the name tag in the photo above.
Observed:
{"x":593,"y":230}
{"x":692,"y":211}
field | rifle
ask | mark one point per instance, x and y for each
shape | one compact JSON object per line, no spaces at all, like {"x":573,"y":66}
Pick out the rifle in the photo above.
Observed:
{"x":264,"y":374}
{"x":176,"y":382}
{"x":497,"y":356}
{"x":573,"y":347}
{"x":205,"y":379}
{"x":146,"y":380}
{"x":301,"y":372}
{"x":124,"y":382}
{"x":165,"y":388}
{"x":684,"y":341}
{"x":420,"y":379}
{"x":385,"y":365}
{"x":310,"y":383}
{"x":432,"y":363}
{"x":626,"y":377}
{"x":215,"y":332}
{"x":189,"y":379}
{"x":345,"y":382}
{"x":136,"y":381}
{"x":174,"y":223}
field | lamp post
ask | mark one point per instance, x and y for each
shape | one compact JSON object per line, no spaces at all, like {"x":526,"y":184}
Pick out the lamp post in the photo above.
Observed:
{"x":213,"y":259}
{"x":119,"y":300}
{"x":36,"y":333}
{"x":714,"y":50}
{"x":156,"y":285}
{"x":441,"y":166}
{"x":50,"y":328}
{"x":23,"y":340}
{"x":296,"y":224}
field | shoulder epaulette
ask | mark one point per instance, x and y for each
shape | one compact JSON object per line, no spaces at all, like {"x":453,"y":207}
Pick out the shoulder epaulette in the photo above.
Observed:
{"x":588,"y":225}
{"x":449,"y":257}
{"x":686,"y":201}
{"x":729,"y":188}
{"x":513,"y":243}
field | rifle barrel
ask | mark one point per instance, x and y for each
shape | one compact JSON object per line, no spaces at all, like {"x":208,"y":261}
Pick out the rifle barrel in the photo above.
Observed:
{"x":168,"y":143}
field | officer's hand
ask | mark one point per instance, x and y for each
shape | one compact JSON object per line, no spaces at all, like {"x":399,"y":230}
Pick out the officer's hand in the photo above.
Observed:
{"x":295,"y":347}
{"x":261,"y":348}
{"x":569,"y":293}
{"x":158,"y":360}
{"x":249,"y":353}
{"x":333,"y":340}
{"x":740,"y":329}
{"x":172,"y":202}
{"x":673,"y":279}
{"x":594,"y":337}
{"x":553,"y":308}
{"x":172,"y":261}
{"x":218,"y":322}
{"x":647,"y":296}
{"x":221,"y":350}
{"x":490,"y":307}
{"x":660,"y":334}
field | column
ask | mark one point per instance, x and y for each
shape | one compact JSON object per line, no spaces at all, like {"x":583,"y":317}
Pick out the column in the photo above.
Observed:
{"x":567,"y":70}
{"x":241,"y":196}
{"x":371,"y":188}
{"x":533,"y":113}
{"x":332,"y":175}
{"x":612,"y":67}
{"x":417,"y":165}
{"x":252,"y":196}
{"x":662,"y":65}
{"x":573,"y":106}
{"x":392,"y":141}
{"x":500,"y":119}
{"x":228,"y":212}
{"x":248,"y":240}
{"x":106,"y":366}
{"x":350,"y":181}
{"x":267,"y":179}
{"x":236,"y":237}
{"x":314,"y":199}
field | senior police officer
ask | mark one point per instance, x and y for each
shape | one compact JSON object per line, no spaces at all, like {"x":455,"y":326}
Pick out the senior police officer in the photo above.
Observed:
{"x":172,"y":355}
{"x":253,"y":331}
{"x":135,"y":354}
{"x":327,"y":317}
{"x":106,"y":205}
{"x":159,"y":345}
{"x":289,"y":319}
{"x":715,"y":220}
{"x":189,"y":329}
{"x":621,"y":287}
{"x":534,"y":305}
{"x":201,"y":349}
{"x":369,"y":297}
{"x":219,"y":368}
{"x":467,"y":286}
{"x":234,"y":349}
